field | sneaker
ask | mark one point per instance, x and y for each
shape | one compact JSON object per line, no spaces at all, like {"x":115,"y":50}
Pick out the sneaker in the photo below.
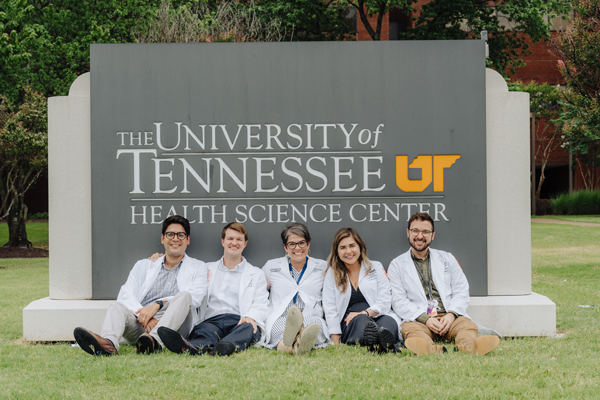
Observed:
{"x":371,"y":336}
{"x":306,"y":339}
{"x":94,"y":344}
{"x":293,"y":325}
{"x":175,"y":342}
{"x":224,"y":348}
{"x":420,"y":347}
{"x":387,"y":340}
{"x":146,"y":344}
{"x":481,"y":346}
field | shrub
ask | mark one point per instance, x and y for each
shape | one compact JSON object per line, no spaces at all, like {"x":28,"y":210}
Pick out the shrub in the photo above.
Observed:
{"x":583,"y":202}
{"x":40,"y":215}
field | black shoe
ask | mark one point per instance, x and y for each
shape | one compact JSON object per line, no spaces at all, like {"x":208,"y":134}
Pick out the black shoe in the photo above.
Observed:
{"x":146,"y":344}
{"x":175,"y":342}
{"x":224,"y":348}
{"x":94,"y":344}
{"x":371,"y":335}
{"x":386,"y":340}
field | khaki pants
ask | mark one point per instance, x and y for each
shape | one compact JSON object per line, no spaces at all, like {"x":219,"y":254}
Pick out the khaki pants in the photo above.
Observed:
{"x":120,"y":322}
{"x":463,"y":331}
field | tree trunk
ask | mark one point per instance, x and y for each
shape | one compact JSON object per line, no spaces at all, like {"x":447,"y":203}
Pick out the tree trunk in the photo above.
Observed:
{"x":17,"y":235}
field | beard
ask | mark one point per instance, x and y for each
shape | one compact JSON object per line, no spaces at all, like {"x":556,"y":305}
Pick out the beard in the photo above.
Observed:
{"x":412,"y":244}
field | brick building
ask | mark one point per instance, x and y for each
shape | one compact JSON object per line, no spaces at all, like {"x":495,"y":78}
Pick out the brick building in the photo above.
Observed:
{"x":541,"y":67}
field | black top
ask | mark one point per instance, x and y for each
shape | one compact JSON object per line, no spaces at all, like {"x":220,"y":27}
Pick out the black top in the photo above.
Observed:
{"x":357,"y":302}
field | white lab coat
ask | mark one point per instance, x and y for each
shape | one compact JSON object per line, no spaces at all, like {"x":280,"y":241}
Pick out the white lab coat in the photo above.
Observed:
{"x":408,"y":296}
{"x":375,"y":287}
{"x":283,"y":288}
{"x":192,"y":278}
{"x":253,"y":294}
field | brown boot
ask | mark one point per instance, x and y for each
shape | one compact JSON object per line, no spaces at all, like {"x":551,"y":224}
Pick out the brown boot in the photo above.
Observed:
{"x":420,"y":347}
{"x":481,"y":346}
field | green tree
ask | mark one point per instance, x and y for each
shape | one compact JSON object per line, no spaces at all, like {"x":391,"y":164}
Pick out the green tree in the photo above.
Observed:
{"x":44,"y":44}
{"x":509,"y":25}
{"x":369,"y":8}
{"x":23,"y":158}
{"x":579,"y":51}
{"x":307,"y":20}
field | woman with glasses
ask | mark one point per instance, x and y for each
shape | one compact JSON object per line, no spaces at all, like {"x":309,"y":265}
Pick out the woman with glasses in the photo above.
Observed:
{"x":357,"y":296}
{"x":295,"y":281}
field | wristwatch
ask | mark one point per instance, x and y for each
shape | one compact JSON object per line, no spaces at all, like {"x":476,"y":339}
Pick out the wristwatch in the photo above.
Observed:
{"x":160,"y":303}
{"x":365,"y":312}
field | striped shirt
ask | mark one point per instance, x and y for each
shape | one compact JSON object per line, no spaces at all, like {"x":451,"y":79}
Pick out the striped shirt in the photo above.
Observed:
{"x":165,"y":284}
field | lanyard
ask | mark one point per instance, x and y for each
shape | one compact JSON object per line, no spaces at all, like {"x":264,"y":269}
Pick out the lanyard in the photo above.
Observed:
{"x":300,"y":277}
{"x":429,"y":285}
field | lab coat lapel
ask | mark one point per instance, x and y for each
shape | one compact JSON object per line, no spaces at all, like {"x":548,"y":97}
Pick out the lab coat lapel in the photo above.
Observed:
{"x":437,"y":270}
{"x":412,"y":274}
{"x":247,"y":274}
{"x":309,"y":270}
{"x":212,"y":270}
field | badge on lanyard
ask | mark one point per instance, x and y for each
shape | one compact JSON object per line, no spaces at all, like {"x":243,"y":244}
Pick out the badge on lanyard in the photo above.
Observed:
{"x":432,"y":307}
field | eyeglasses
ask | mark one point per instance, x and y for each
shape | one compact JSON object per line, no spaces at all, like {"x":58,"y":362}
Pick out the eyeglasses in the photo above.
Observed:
{"x":292,"y":245}
{"x":416,"y":232}
{"x":180,"y":235}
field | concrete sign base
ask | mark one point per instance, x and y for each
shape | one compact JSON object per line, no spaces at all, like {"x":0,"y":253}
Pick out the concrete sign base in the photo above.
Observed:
{"x":510,"y":308}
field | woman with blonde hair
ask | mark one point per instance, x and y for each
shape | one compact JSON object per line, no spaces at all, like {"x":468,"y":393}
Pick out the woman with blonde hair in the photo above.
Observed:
{"x":357,"y":296}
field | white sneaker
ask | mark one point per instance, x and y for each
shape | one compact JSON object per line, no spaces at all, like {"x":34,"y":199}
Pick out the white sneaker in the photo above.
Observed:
{"x":306,"y":339}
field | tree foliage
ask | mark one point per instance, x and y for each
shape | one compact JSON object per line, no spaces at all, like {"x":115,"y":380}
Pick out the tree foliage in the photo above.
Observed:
{"x":509,"y":25}
{"x":44,"y":44}
{"x":225,"y":21}
{"x":369,"y":8}
{"x":579,"y":51}
{"x":23,"y":157}
{"x":307,"y":20}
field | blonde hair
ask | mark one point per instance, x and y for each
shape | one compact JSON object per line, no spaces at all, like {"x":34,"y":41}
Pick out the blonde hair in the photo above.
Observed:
{"x":340,"y":272}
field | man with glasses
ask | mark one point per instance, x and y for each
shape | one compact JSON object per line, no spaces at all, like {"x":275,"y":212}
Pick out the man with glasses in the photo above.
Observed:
{"x":233,"y":317}
{"x":161,"y":293}
{"x":431,"y":294}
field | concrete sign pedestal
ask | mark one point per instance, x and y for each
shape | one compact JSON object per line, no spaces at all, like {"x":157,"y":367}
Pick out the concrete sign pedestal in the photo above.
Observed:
{"x":510,"y":307}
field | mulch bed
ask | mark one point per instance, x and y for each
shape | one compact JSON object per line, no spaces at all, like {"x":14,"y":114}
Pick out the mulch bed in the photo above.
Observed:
{"x":17,"y":252}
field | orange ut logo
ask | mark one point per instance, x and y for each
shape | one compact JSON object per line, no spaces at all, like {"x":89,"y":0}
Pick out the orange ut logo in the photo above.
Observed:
{"x":432,"y":168}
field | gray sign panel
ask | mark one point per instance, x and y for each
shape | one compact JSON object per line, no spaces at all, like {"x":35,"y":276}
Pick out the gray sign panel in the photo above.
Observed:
{"x":328,"y":134}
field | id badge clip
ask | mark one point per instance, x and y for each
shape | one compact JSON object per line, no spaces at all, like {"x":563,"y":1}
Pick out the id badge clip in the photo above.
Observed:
{"x":432,"y":307}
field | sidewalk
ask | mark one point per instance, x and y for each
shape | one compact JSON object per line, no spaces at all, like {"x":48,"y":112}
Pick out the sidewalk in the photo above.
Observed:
{"x":560,"y":222}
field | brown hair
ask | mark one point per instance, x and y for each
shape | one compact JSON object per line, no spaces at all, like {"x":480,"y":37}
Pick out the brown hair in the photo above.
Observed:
{"x":421,"y":217}
{"x":295,"y":228}
{"x":340,"y":272}
{"x":236,"y":226}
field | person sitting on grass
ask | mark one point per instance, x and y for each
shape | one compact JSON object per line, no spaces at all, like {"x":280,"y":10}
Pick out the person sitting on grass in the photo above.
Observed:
{"x":357,"y":296}
{"x":161,"y":293}
{"x":237,"y":303}
{"x":296,"y":322}
{"x":431,"y":294}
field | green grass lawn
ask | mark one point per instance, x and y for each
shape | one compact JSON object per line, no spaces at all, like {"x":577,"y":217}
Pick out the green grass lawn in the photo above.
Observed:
{"x":566,"y":268}
{"x":574,"y":218}
{"x":37,"y":233}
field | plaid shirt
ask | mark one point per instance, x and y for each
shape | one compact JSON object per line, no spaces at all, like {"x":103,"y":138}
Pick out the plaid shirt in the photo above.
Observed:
{"x":165,"y":285}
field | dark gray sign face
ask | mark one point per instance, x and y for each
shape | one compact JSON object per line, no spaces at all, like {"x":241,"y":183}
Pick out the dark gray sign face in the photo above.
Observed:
{"x":328,"y":134}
